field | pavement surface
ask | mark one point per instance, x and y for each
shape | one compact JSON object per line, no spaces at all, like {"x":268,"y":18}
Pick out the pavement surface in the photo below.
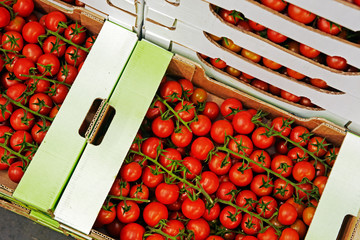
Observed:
{"x":16,"y":227}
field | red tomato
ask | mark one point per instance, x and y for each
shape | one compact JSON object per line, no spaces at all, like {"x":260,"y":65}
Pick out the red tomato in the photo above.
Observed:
{"x":260,"y":84}
{"x":256,"y":26}
{"x":287,"y":214}
{"x":289,"y":234}
{"x":8,"y":80}
{"x":67,"y":74}
{"x":58,"y":93}
{"x":149,"y":147}
{"x":4,"y":17}
{"x":282,"y":164}
{"x":154,"y":212}
{"x":181,"y":137}
{"x":271,"y":64}
{"x":266,"y":207}
{"x":220,"y":163}
{"x":127,"y":212}
{"x":41,"y":103}
{"x":211,"y":110}
{"x":242,"y":122}
{"x":201,"y":147}
{"x":230,"y":217}
{"x":199,"y":95}
{"x":12,"y":40}
{"x":300,"y":135}
{"x":140,"y":191}
{"x":294,"y":74}
{"x":5,"y":132}
{"x":155,"y":236}
{"x":120,"y":188}
{"x":232,"y":17}
{"x":53,"y":19}
{"x":202,"y":126}
{"x":16,"y":171}
{"x":240,"y":174}
{"x":173,"y":227}
{"x":186,"y":110}
{"x":31,"y":31}
{"x":275,"y":36}
{"x":303,"y":170}
{"x":167,"y":193}
{"x":131,"y":172}
{"x":162,"y":128}
{"x":297,"y":154}
{"x":16,"y":24}
{"x":320,"y":182}
{"x":308,"y":51}
{"x":327,"y":26}
{"x":193,"y":209}
{"x":226,"y":191}
{"x":220,"y":129}
{"x":22,"y":120}
{"x":54,"y":111}
{"x":200,"y":228}
{"x":106,"y":215}
{"x":6,"y":159}
{"x":155,"y":110}
{"x":23,"y":7}
{"x":12,"y":60}
{"x":209,"y":181}
{"x":246,"y":199}
{"x":318,"y":83}
{"x":169,"y":157}
{"x":300,"y":227}
{"x":242,"y":145}
{"x":32,"y":51}
{"x":193,"y":167}
{"x":269,"y":234}
{"x":22,"y":67}
{"x":218,"y":63}
{"x":17,"y":92}
{"x":336,"y":62}
{"x":48,"y":64}
{"x":318,"y":146}
{"x":260,"y":139}
{"x":282,"y":190}
{"x":55,"y":46}
{"x":250,"y":224}
{"x":261,"y":185}
{"x":6,"y":109}
{"x":212,"y":213}
{"x":74,"y":56}
{"x":90,"y":42}
{"x":229,"y":106}
{"x":171,"y":91}
{"x":282,"y":125}
{"x":300,"y":15}
{"x":152,"y":176}
{"x":277,"y":5}
{"x":75,"y":33}
{"x":308,"y":215}
{"x":132,"y":231}
{"x":261,"y":157}
{"x":213,"y":237}
{"x":187,"y":87}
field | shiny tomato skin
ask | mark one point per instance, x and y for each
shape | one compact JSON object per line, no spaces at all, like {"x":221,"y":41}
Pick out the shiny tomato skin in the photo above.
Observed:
{"x":282,"y":190}
{"x":150,"y":179}
{"x":168,"y":157}
{"x":218,"y":63}
{"x":256,"y":26}
{"x":127,"y":212}
{"x":200,"y":228}
{"x":58,"y":93}
{"x":171,"y":91}
{"x":150,"y":145}
{"x":336,"y":62}
{"x":22,"y":67}
{"x":154,"y":212}
{"x":173,"y":227}
{"x":212,"y":213}
{"x":282,"y":164}
{"x":32,"y":51}
{"x":74,"y":56}
{"x":225,"y":217}
{"x":281,"y":124}
{"x":300,"y":135}
{"x":16,"y":171}
{"x":7,"y":109}
{"x":242,"y":122}
{"x":31,"y":31}
{"x":10,"y":45}
{"x":41,"y":103}
{"x":16,"y":24}
{"x":230,"y":16}
{"x":167,"y":193}
{"x":133,"y":231}
{"x":22,"y":120}
{"x":328,"y":27}
{"x":6,"y":159}
{"x":185,"y":110}
{"x":275,"y":36}
{"x":211,"y":110}
{"x":318,"y":146}
{"x":241,"y":174}
{"x":193,"y":209}
{"x":209,"y":181}
{"x":277,"y":5}
{"x":162,"y":128}
{"x":131,"y":172}
{"x":23,"y":7}
{"x":120,"y":188}
{"x":300,"y":15}
{"x":4,"y":17}
{"x":202,"y":126}
{"x":201,"y":147}
{"x":220,"y":129}
{"x":266,"y":207}
{"x":262,"y":157}
{"x":287,"y":214}
{"x":303,"y":170}
{"x":17,"y":93}
{"x":67,"y":74}
{"x":257,"y":185}
{"x":250,"y":224}
{"x":193,"y":166}
{"x":155,"y":111}
{"x":269,"y":234}
{"x":53,"y":19}
{"x":75,"y":33}
{"x":260,"y":140}
{"x":245,"y":144}
{"x":55,"y":46}
{"x":308,"y":215}
{"x":199,"y":95}
{"x":220,"y":163}
{"x":18,"y":138}
{"x":181,"y":137}
{"x":308,"y":51}
{"x":46,"y":60}
{"x":106,"y":215}
{"x":228,"y":106}
{"x":225,"y":191}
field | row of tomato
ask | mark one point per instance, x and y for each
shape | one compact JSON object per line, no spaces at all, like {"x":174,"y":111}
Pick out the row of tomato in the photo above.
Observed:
{"x":39,"y":61}
{"x":301,"y":15}
{"x":200,"y":169}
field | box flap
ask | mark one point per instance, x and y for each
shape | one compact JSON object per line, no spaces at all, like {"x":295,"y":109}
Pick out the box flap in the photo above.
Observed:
{"x":56,"y":157}
{"x":342,"y":190}
{"x":85,"y":194}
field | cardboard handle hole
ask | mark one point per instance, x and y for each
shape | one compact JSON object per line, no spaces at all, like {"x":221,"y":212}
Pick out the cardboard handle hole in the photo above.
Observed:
{"x":97,"y":121}
{"x":348,"y":228}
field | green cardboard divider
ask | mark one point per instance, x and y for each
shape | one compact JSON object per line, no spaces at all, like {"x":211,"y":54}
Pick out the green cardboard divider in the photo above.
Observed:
{"x":46,"y":220}
{"x":57,"y":156}
{"x":131,"y":97}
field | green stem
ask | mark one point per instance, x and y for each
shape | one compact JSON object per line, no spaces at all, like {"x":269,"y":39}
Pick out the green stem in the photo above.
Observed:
{"x":167,"y":236}
{"x":278,"y":134}
{"x":68,"y":41}
{"x":268,"y":171}
{"x":46,"y":79}
{"x":27,"y":109}
{"x":128,"y":199}
{"x":14,"y":152}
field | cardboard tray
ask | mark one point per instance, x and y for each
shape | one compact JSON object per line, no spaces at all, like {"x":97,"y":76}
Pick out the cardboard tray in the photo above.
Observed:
{"x":199,"y":15}
{"x":335,"y":106}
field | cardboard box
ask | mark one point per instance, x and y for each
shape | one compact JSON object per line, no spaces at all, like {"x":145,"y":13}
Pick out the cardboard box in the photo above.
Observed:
{"x":127,"y":13}
{"x":187,"y":40}
{"x":199,"y":15}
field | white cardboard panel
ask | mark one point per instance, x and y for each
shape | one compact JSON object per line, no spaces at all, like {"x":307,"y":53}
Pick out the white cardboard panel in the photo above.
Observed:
{"x":188,"y":12}
{"x":334,"y":10}
{"x":343,"y":105}
{"x":342,"y":190}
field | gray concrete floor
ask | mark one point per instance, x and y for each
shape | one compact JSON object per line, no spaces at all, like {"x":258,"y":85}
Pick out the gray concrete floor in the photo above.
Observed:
{"x":16,"y":227}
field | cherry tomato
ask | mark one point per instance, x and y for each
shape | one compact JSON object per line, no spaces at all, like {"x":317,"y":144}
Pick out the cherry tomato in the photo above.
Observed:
{"x":90,"y":42}
{"x":308,"y":51}
{"x":266,"y":207}
{"x":300,"y":227}
{"x":171,"y":91}
{"x":230,"y":16}
{"x":106,"y":215}
{"x":48,"y":64}
{"x":22,"y":120}
{"x":74,"y":56}
{"x":289,"y":234}
{"x":167,"y":193}
{"x":220,"y":163}
{"x":155,"y":110}
{"x":131,"y":172}
{"x":256,"y":26}
{"x":320,"y":182}
{"x":16,"y":171}
{"x":6,"y":159}
{"x":271,"y":64}
{"x":282,"y":164}
{"x":250,"y":55}
{"x":318,"y":83}
{"x":12,"y":40}
{"x":41,"y":103}
{"x":133,"y":231}
{"x":58,"y":93}
{"x":269,"y":234}
{"x":201,"y":147}
{"x":260,"y":139}
{"x":114,"y":228}
{"x":32,"y":51}
{"x":4,"y":17}
{"x":336,"y":62}
{"x":230,"y":217}
{"x":263,"y":158}
{"x":300,"y":15}
{"x":6,"y":109}
{"x":261,"y":185}
{"x":277,"y":5}
{"x":246,"y":199}
{"x":19,"y":140}
{"x":202,"y":126}
{"x":67,"y":74}
{"x":149,"y":147}
{"x":31,"y":31}
{"x":327,"y":26}
{"x":242,"y":122}
{"x":300,"y":135}
{"x":250,"y":224}
{"x":212,"y":213}
{"x":229,"y":106}
{"x":282,"y":125}
{"x":218,"y":63}
{"x":308,"y":215}
{"x":211,"y":110}
{"x":17,"y":92}
{"x":294,"y":74}
{"x":229,"y":44}
{"x":287,"y":214}
{"x":225,"y":191}
{"x":200,"y":228}
{"x":185,"y":110}
{"x":22,"y":67}
{"x":193,"y":209}
{"x":242,"y":145}
{"x":120,"y":188}
{"x":75,"y":33}
{"x":193,"y":166}
{"x":55,"y":46}
{"x":220,"y":129}
{"x":282,"y":190}
{"x":53,"y":19}
{"x":303,"y":170}
{"x":162,"y":128}
{"x":127,"y":212}
{"x":209,"y":181}
{"x":275,"y":36}
{"x":173,"y":227}
{"x":240,"y":174}
{"x":23,"y":7}
{"x":16,"y":24}
{"x":199,"y":95}
{"x":154,"y":212}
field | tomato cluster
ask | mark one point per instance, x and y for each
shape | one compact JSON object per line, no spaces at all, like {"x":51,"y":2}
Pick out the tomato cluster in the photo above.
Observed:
{"x":210,"y":169}
{"x":298,"y":14}
{"x":39,"y":61}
